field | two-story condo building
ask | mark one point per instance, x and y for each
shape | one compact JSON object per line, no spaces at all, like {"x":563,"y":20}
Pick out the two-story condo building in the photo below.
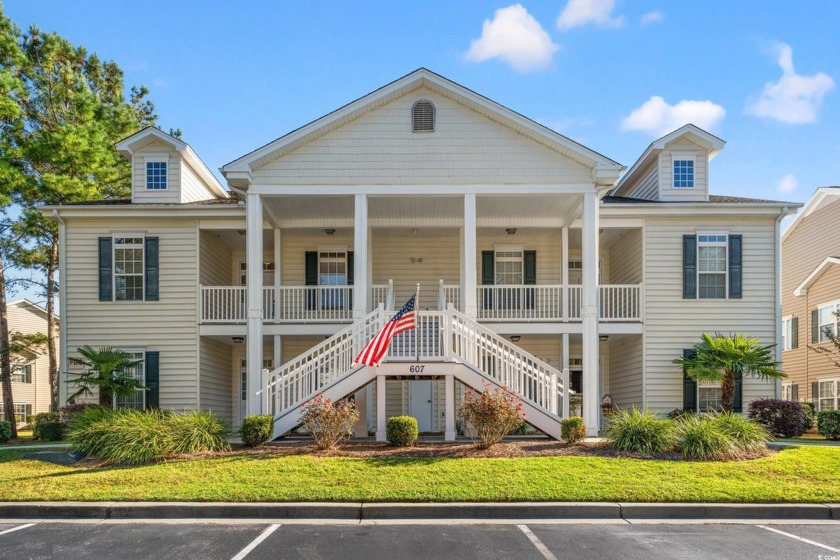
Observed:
{"x":538,"y":269}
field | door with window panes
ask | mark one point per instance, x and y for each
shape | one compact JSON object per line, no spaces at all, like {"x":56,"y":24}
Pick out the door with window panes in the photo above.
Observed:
{"x":509,"y":272}
{"x":332,"y":277}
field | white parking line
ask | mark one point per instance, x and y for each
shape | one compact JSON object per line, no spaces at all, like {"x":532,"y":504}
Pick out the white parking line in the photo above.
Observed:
{"x":254,"y":543}
{"x":18,"y":528}
{"x":537,"y":543}
{"x":825,"y":546}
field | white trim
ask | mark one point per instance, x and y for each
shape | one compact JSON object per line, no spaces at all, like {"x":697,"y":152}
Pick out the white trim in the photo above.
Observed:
{"x":786,"y":340}
{"x":809,"y":207}
{"x":142,"y":274}
{"x":836,"y":397}
{"x":802,"y":289}
{"x":683,"y":156}
{"x":156,"y":159}
{"x":725,"y":272}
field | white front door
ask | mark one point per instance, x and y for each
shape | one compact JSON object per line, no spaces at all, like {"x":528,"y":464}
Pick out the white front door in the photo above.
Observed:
{"x":420,"y":404}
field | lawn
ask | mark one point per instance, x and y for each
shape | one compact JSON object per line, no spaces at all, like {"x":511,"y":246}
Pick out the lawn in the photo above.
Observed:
{"x":792,"y":475}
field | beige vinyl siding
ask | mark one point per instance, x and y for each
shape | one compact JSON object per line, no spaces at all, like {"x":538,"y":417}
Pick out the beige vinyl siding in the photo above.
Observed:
{"x":154,"y":150}
{"x":167,"y":325}
{"x":193,"y":188}
{"x":802,"y":251}
{"x":648,"y":185}
{"x":215,"y":378}
{"x":625,"y":370}
{"x":626,"y":259}
{"x":679,"y":149}
{"x":673,"y":324}
{"x":825,"y":290}
{"x":216,"y":258}
{"x":379,"y":148}
{"x":546,"y":245}
{"x":23,"y":319}
{"x":392,"y":259}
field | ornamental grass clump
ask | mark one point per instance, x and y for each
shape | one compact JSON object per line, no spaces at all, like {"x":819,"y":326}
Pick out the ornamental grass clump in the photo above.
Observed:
{"x":196,"y":431}
{"x":700,"y":437}
{"x":327,"y":421}
{"x":493,"y":414}
{"x":640,"y":431}
{"x":746,"y":436}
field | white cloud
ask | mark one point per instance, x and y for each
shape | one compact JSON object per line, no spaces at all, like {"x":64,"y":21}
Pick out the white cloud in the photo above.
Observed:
{"x":654,"y":16}
{"x":657,"y":117}
{"x":794,"y":99}
{"x":515,"y":37}
{"x":578,"y":13}
{"x":788,"y":184}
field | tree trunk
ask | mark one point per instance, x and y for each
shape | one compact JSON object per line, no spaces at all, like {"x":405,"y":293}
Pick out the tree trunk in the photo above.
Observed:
{"x":5,"y":357}
{"x":727,"y":392}
{"x":52,"y":264}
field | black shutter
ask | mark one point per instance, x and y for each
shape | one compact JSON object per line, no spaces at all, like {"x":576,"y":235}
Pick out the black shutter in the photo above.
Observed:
{"x":794,"y":333}
{"x":27,"y":373}
{"x":794,"y":392}
{"x":530,"y":276}
{"x":153,"y":379}
{"x":689,"y":267}
{"x":152,"y":269}
{"x":737,"y":400}
{"x":311,"y":277}
{"x":351,"y":270}
{"x":106,"y":269}
{"x":689,"y":385}
{"x":815,"y":326}
{"x":815,"y":393}
{"x":735,"y":266}
{"x":488,"y":276}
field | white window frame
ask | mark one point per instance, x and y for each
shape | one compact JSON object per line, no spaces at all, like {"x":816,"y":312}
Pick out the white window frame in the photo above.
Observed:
{"x":787,"y":333}
{"x":677,"y":157}
{"x":268,"y":269}
{"x":787,"y":391}
{"x":19,"y":372}
{"x":833,"y":307}
{"x":501,"y":248}
{"x":716,"y":243}
{"x":165,"y":161}
{"x":836,"y":397}
{"x":114,"y":274}
{"x":142,"y":366}
{"x":708,"y":387}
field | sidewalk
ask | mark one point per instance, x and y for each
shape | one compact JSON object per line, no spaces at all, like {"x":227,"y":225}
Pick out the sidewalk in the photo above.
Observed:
{"x":29,"y":447}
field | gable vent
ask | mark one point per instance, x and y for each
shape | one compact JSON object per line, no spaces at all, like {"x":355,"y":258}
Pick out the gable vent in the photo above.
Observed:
{"x":423,"y":116}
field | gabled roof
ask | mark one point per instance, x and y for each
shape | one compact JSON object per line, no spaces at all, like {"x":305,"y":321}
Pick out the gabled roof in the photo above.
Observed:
{"x":820,"y":198}
{"x":694,"y":133}
{"x":127,"y":147}
{"x":605,"y":170}
{"x":802,"y":288}
{"x":29,"y":305}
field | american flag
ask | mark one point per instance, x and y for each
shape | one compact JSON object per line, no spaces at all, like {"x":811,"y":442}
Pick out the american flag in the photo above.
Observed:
{"x":404,"y":320}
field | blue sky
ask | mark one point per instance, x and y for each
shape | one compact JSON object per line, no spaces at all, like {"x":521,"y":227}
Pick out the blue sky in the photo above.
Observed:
{"x":235,"y":75}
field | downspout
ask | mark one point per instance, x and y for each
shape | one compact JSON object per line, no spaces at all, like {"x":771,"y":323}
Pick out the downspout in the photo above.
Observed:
{"x":786,"y":211}
{"x":62,"y":309}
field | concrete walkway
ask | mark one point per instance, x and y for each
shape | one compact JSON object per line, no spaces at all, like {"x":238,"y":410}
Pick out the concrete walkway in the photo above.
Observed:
{"x":29,"y":447}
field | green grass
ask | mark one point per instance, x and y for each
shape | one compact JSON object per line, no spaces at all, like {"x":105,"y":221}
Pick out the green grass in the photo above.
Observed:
{"x":803,"y":474}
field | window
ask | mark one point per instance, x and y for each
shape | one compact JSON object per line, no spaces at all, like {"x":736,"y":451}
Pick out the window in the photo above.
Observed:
{"x":576,"y":272}
{"x":423,"y":117}
{"x":22,"y":373}
{"x":787,"y":391}
{"x":268,"y":273}
{"x":711,"y":266}
{"x":156,"y":175}
{"x":829,"y":321}
{"x":128,"y":268}
{"x":683,"y":173}
{"x":22,"y":412}
{"x":708,"y":398}
{"x":332,"y":271}
{"x":138,"y":399}
{"x":829,"y":394}
{"x":509,"y":267}
{"x":787,"y":334}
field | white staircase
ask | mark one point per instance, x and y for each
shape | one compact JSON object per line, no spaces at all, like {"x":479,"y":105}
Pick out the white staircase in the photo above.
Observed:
{"x":453,"y":342}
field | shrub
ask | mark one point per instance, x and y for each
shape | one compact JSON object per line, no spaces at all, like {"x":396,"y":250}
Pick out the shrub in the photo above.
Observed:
{"x":326,"y":421}
{"x":5,"y":431}
{"x":828,"y":424}
{"x":401,"y":431}
{"x":809,"y":416}
{"x":87,"y":428}
{"x":256,"y":429}
{"x":66,"y":412}
{"x":572,"y":429}
{"x":493,"y":413}
{"x":781,"y":418}
{"x":745,"y":435}
{"x":640,"y":431}
{"x":699,"y":437}
{"x":49,"y":431}
{"x":196,"y":431}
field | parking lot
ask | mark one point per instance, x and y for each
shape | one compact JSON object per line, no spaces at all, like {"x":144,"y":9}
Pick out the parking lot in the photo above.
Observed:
{"x":539,"y":541}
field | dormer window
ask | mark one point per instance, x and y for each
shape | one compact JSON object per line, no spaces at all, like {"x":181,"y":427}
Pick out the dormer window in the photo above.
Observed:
{"x":683,"y":174}
{"x":423,"y":116}
{"x":156,"y":175}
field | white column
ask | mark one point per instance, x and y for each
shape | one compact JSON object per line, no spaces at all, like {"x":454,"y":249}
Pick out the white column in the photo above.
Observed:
{"x":278,"y":276}
{"x":591,"y":398}
{"x":449,"y":434}
{"x":564,"y":367}
{"x":380,"y":408}
{"x":564,"y":272}
{"x":361,"y":283}
{"x":254,"y":259}
{"x":468,"y":246}
{"x":369,"y":253}
{"x":361,"y":428}
{"x":278,"y":351}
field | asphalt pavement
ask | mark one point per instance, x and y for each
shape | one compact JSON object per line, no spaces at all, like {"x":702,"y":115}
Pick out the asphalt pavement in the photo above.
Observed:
{"x":405,"y":540}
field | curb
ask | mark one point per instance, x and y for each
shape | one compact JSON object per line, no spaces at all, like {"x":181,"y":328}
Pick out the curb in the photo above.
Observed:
{"x":418,"y":511}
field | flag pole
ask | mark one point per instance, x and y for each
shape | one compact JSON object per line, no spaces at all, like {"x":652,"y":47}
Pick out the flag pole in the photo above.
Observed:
{"x":416,"y":322}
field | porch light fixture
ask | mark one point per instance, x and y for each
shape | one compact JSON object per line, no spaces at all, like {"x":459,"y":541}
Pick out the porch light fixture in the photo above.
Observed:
{"x":238,"y":339}
{"x":511,"y":231}
{"x":515,"y":338}
{"x":329,"y":231}
{"x":604,"y":337}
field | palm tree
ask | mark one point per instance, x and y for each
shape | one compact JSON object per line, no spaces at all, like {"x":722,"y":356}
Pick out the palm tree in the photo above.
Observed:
{"x":721,"y":358}
{"x":106,"y":369}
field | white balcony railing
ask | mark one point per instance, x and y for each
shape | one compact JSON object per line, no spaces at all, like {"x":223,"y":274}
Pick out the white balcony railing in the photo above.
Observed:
{"x":541,"y":302}
{"x":449,"y":293}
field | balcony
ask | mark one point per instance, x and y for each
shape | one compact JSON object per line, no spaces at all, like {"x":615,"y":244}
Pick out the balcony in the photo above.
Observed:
{"x":617,"y":302}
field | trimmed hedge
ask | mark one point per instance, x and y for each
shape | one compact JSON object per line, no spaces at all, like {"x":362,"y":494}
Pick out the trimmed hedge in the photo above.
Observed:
{"x":572,"y":429}
{"x":781,"y":418}
{"x":5,"y":431}
{"x":828,"y":424}
{"x":401,"y":431}
{"x":47,"y":426}
{"x":256,"y":429}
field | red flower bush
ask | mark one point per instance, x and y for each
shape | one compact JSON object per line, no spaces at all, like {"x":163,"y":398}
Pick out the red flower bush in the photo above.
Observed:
{"x":326,"y":421}
{"x":494,"y":414}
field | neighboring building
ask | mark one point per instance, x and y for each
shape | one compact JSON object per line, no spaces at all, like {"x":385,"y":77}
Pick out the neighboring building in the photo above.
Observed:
{"x":30,"y":369}
{"x":810,"y":299}
{"x":538,"y":268}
